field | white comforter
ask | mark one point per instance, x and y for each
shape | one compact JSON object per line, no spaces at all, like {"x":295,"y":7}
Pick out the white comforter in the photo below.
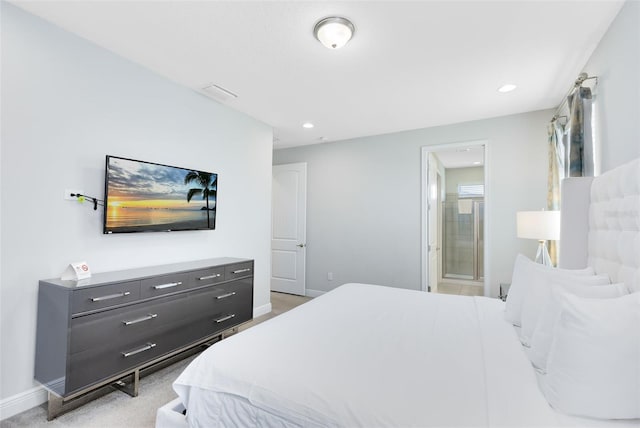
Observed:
{"x":371,"y":356}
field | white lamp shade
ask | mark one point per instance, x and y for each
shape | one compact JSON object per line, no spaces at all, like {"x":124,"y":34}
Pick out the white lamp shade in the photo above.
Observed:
{"x":540,"y":225}
{"x":334,"y":32}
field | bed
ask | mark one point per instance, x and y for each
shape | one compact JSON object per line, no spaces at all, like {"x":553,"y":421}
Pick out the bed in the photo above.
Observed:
{"x":371,"y":356}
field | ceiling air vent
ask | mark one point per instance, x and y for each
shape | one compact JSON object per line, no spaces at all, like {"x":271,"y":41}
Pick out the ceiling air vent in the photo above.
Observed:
{"x":218,"y":92}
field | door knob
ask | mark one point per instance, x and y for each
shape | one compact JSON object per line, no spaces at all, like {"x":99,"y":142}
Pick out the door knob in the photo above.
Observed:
{"x":301,"y":245}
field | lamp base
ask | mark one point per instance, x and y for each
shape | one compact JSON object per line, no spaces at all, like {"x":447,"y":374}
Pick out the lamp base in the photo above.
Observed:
{"x":542,"y":256}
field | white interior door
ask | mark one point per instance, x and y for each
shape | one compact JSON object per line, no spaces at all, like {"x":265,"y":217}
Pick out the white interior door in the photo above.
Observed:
{"x":432,"y":229}
{"x":288,"y":228}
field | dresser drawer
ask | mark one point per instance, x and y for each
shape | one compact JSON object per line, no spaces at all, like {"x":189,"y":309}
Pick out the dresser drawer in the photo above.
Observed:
{"x":206,"y":277}
{"x":84,"y":300}
{"x":216,"y":323}
{"x":128,"y":324}
{"x":238,"y":270}
{"x":225,"y":304}
{"x":163,"y":284}
{"x":99,"y":363}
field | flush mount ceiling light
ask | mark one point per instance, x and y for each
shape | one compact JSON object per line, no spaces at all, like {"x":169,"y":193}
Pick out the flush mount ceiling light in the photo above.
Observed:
{"x":334,"y":32}
{"x":307,"y":125}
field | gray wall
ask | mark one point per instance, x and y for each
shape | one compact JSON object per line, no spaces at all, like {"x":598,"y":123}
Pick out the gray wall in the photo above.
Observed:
{"x":363,"y":206}
{"x":455,"y":176}
{"x":616,"y":62}
{"x":65,"y":104}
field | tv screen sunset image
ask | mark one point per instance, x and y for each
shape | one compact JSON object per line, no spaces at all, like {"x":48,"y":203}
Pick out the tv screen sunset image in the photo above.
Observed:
{"x":142,"y":196}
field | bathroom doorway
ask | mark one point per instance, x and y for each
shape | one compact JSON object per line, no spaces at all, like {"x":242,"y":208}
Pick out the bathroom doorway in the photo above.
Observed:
{"x":463,"y":220}
{"x":455,"y":218}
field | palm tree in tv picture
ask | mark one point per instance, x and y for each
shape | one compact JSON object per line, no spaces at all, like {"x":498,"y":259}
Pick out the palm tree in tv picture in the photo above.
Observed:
{"x":208,"y":189}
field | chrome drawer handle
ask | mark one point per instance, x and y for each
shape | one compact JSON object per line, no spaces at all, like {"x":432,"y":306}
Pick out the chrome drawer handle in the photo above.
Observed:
{"x":241,"y":271}
{"x":137,"y":351}
{"x":224,"y":296}
{"x":223,"y":319}
{"x":110,"y":296}
{"x":169,"y":285}
{"x":202,"y":278}
{"x":136,"y":321}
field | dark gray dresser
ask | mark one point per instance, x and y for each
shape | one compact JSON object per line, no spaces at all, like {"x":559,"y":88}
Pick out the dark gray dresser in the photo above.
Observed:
{"x":94,"y":332}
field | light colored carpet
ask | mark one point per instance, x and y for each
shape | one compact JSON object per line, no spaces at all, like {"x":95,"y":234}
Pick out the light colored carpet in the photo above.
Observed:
{"x":118,"y":409}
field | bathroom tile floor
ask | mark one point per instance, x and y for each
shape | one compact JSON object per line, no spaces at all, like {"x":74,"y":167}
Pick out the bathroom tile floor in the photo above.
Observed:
{"x":460,"y":289}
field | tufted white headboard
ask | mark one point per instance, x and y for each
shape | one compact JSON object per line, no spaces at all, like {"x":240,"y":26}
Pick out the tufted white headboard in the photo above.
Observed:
{"x":600,"y":224}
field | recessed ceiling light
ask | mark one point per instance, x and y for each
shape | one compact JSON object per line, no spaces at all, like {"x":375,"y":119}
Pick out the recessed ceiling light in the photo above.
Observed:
{"x":507,"y":88}
{"x":307,"y":125}
{"x":476,"y":163}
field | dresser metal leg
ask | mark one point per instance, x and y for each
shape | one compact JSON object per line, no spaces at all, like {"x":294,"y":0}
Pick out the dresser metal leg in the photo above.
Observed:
{"x":229,"y":332}
{"x":129,"y":385}
{"x":58,"y":405}
{"x":54,"y":406}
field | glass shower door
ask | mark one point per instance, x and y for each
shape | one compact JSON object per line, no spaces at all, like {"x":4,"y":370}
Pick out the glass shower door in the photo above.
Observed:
{"x":463,"y":238}
{"x":479,"y":240}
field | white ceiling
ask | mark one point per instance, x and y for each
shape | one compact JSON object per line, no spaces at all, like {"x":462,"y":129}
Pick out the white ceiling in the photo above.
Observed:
{"x":461,"y":157}
{"x":410,"y":65}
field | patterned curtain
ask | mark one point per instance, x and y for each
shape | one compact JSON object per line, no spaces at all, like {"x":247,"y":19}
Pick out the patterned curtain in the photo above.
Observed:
{"x":579,"y":159}
{"x":570,"y":150}
{"x":556,"y":173}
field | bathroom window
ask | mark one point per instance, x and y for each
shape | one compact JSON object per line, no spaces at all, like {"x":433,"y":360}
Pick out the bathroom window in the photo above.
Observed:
{"x":470,"y":190}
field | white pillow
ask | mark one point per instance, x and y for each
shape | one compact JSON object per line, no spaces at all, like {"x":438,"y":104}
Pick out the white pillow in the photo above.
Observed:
{"x":593,"y":368}
{"x":543,"y":333}
{"x":539,"y":295}
{"x":524,"y":272}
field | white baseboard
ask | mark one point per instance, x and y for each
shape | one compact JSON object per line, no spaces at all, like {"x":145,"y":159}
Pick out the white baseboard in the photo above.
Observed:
{"x":313,"y":293}
{"x":23,"y":401}
{"x":261,"y":310}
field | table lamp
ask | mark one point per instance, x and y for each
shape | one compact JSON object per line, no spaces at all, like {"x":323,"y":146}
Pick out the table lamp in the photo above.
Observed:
{"x":540,"y":225}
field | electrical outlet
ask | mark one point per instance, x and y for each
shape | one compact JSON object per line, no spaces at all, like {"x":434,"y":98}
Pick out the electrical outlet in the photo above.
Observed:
{"x":330,"y":276}
{"x":68,"y":192}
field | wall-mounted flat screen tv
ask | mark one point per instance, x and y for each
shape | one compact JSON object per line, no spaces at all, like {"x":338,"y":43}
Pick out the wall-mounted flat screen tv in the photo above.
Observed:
{"x":149,"y":197}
